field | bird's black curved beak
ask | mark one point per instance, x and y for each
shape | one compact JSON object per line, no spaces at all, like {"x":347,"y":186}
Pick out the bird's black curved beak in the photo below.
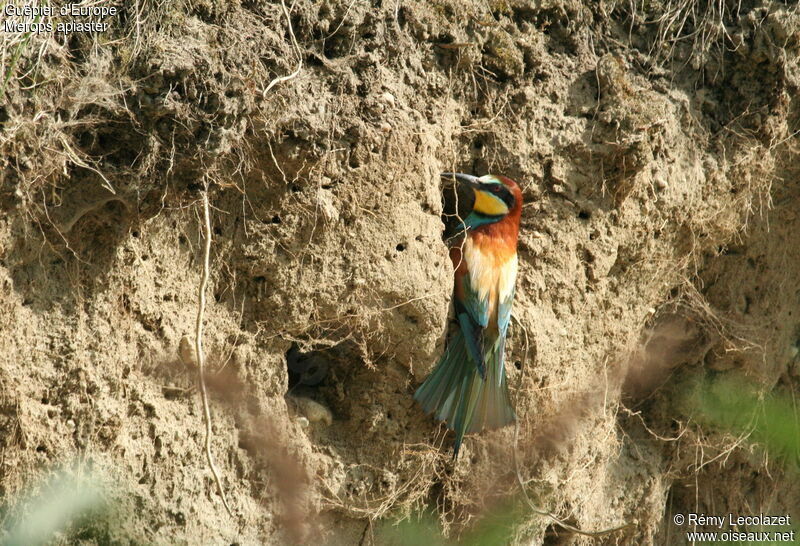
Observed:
{"x":466,"y":179}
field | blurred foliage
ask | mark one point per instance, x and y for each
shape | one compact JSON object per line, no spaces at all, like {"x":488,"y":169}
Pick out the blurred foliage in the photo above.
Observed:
{"x":65,"y":508}
{"x":497,"y":526}
{"x":769,"y":419}
{"x":738,"y":407}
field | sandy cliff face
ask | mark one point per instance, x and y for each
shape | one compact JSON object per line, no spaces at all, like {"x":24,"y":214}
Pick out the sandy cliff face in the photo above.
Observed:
{"x":658,"y":156}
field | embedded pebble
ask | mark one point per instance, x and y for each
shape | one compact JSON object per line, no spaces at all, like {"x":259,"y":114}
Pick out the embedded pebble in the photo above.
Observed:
{"x":388,"y":98}
{"x":314,"y":411}
{"x":326,"y":205}
{"x":186,"y":351}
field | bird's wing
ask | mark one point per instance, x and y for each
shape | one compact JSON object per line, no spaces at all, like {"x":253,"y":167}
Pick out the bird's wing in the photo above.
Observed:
{"x":473,"y":316}
{"x":504,"y":313}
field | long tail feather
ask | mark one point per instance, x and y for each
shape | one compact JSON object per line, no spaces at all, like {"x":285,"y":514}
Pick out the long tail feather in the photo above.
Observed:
{"x":457,"y":394}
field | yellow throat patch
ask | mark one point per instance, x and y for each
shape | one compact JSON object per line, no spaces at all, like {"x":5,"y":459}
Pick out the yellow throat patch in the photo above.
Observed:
{"x":488,"y":204}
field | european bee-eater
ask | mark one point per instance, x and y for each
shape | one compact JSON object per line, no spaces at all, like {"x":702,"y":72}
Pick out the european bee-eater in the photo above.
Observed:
{"x":468,"y":389}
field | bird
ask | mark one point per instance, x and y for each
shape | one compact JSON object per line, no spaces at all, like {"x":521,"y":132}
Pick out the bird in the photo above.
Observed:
{"x":467,"y":389}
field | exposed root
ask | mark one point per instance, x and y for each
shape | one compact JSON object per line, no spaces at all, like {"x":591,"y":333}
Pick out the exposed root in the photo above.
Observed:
{"x":294,"y":74}
{"x":198,"y":346}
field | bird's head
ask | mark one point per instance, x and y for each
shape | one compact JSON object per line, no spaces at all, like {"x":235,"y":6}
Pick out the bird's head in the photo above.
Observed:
{"x":495,"y":197}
